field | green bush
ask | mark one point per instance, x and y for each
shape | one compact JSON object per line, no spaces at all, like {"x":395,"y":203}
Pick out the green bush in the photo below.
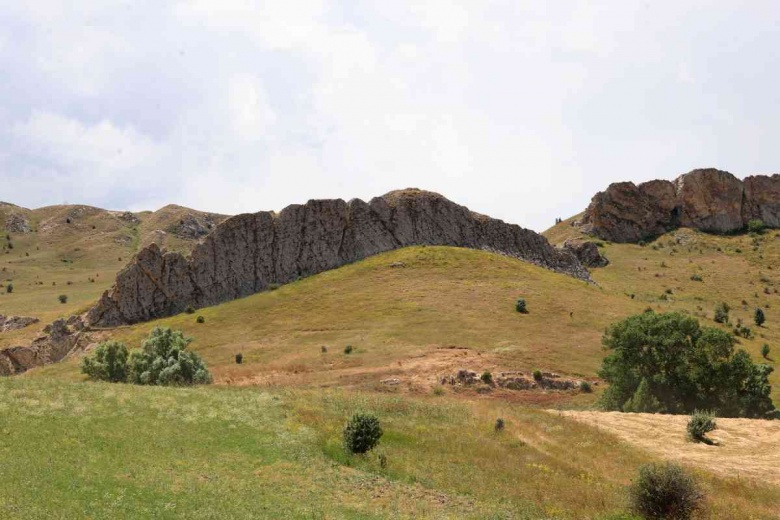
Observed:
{"x":239,"y":358}
{"x":348,"y":349}
{"x":165,"y":360}
{"x":585,"y":387}
{"x":190,"y":309}
{"x":200,"y":319}
{"x":9,"y":288}
{"x":520,"y":306}
{"x":756,"y":226}
{"x":765,"y":351}
{"x":537,"y":375}
{"x":700,"y":424}
{"x":361,"y":433}
{"x":63,"y":298}
{"x":696,"y":278}
{"x":722,"y":313}
{"x":500,"y":425}
{"x":665,"y":491}
{"x":758,"y":316}
{"x":487,"y":377}
{"x":108,"y":362}
{"x":683,"y":366}
{"x":643,"y":401}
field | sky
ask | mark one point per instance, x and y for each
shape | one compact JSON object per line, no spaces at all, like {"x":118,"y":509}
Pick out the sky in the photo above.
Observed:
{"x":518,"y":110}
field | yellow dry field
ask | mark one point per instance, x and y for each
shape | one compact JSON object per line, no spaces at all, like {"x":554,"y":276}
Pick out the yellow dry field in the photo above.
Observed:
{"x":743,"y":448}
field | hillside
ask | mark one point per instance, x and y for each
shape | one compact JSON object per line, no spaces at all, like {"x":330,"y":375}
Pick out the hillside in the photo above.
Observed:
{"x":77,"y":251}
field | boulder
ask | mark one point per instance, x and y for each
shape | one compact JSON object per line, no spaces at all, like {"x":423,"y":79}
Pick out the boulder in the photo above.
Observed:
{"x":16,"y":322}
{"x":586,"y":252}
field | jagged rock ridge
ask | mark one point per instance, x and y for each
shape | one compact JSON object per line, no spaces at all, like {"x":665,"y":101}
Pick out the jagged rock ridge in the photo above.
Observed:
{"x":708,"y":200}
{"x":248,"y":253}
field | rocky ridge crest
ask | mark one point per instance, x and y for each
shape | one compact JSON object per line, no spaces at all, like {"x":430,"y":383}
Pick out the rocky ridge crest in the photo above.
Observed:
{"x":708,"y":200}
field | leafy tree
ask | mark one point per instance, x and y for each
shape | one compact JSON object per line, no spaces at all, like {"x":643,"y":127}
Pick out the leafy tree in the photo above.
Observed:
{"x":642,"y":401}
{"x":165,"y":360}
{"x":681,"y":365}
{"x":107,"y":363}
{"x":758,"y":317}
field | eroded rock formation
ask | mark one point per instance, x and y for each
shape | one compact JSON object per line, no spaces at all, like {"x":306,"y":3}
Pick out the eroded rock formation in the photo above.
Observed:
{"x":708,"y":200}
{"x":586,"y":252}
{"x":59,"y":339}
{"x":16,"y":322}
{"x":248,"y":253}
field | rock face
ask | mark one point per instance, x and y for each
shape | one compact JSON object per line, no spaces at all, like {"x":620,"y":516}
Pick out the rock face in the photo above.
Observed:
{"x":59,"y":339}
{"x":708,"y":200}
{"x":16,"y":322}
{"x":17,"y":223}
{"x":586,"y":252}
{"x":247,"y":253}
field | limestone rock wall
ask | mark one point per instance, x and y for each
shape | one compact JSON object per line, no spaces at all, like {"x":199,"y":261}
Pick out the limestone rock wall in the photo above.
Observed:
{"x":247,"y":253}
{"x":708,"y":199}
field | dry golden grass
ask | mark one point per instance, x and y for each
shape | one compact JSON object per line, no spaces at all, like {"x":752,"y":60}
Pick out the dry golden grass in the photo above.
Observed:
{"x":744,"y":448}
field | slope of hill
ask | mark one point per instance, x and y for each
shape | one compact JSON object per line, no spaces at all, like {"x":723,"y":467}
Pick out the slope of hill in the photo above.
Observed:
{"x":75,"y":251}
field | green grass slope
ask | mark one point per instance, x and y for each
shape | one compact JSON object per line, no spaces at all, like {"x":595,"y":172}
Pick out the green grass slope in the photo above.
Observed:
{"x":93,"y":450}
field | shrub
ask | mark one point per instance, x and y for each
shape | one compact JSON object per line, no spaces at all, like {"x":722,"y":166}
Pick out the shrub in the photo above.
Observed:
{"x":665,"y":491}
{"x":487,"y":377}
{"x":9,"y":288}
{"x":165,"y":360}
{"x":190,"y":309}
{"x":108,"y":362}
{"x":361,"y":433}
{"x":758,"y":317}
{"x":585,"y":387}
{"x":643,"y":401}
{"x":437,"y":390}
{"x":700,"y":424}
{"x":683,"y":365}
{"x":200,"y":319}
{"x":63,"y":298}
{"x":765,"y":351}
{"x":537,"y":375}
{"x":324,"y":349}
{"x":696,"y":278}
{"x":520,"y":306}
{"x":500,"y":425}
{"x":348,"y":349}
{"x":239,"y":358}
{"x":722,"y":313}
{"x":755,"y":226}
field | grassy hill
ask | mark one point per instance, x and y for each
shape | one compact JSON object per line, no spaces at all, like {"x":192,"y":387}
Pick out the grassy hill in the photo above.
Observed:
{"x":264,"y":440}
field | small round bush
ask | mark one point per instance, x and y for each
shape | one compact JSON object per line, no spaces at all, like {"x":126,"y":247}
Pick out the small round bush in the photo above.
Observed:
{"x":755,"y":226}
{"x":348,"y":349}
{"x":190,"y":309}
{"x":585,"y":387}
{"x":520,"y":306}
{"x":9,"y":288}
{"x":537,"y":375}
{"x":700,"y":424}
{"x":107,"y":363}
{"x":361,"y":433}
{"x":324,"y":349}
{"x":765,"y":351}
{"x":487,"y":377}
{"x":63,"y":298}
{"x":200,"y":319}
{"x":665,"y":491}
{"x":239,"y":358}
{"x":500,"y":424}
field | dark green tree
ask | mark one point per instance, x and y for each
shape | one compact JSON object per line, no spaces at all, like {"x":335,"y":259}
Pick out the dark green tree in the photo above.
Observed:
{"x":758,"y":317}
{"x":683,"y":366}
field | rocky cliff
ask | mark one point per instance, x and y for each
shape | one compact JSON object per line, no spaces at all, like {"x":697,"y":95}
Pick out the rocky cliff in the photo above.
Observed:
{"x":708,"y":200}
{"x":248,"y":253}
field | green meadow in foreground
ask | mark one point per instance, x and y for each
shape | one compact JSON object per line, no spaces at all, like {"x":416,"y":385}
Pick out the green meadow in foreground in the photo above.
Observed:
{"x":101,"y":450}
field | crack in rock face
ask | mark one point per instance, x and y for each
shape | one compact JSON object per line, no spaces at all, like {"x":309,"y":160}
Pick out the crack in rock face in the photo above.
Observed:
{"x":249,"y":253}
{"x":708,"y":200}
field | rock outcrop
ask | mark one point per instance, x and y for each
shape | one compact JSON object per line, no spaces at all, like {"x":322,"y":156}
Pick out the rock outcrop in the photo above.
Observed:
{"x":586,"y":252}
{"x":708,"y":200}
{"x":248,"y":253}
{"x":16,"y":322}
{"x":17,"y":223}
{"x":59,"y":339}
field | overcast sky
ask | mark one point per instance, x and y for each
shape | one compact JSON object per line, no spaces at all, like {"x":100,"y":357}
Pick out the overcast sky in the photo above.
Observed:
{"x":520,"y":110}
